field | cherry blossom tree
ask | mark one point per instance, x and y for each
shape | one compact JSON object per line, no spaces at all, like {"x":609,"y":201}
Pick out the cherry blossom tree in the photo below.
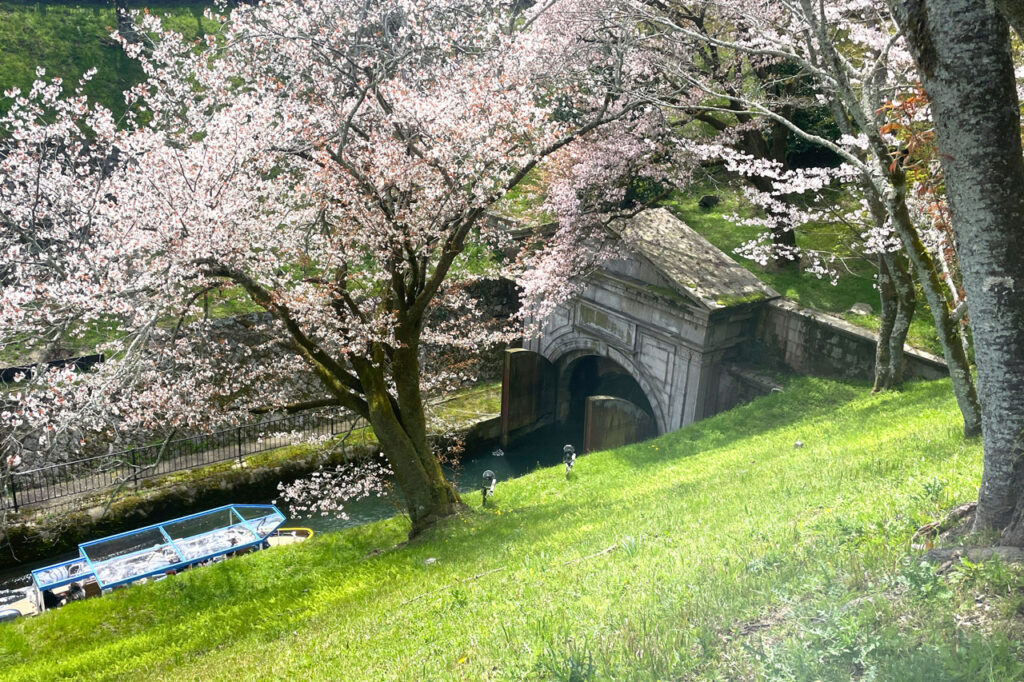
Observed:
{"x":734,"y":72}
{"x":592,"y":185}
{"x":329,"y":164}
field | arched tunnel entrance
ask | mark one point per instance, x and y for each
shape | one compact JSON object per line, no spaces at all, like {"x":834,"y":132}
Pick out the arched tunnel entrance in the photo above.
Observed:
{"x":600,"y":405}
{"x":592,"y":401}
{"x":592,"y":375}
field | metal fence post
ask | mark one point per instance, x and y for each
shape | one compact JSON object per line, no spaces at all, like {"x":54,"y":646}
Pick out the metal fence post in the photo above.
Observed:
{"x":135,"y":467}
{"x":14,"y":493}
{"x":238,"y":434}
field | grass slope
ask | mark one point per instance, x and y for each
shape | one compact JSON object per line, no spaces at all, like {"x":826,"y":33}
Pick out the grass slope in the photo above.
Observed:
{"x":67,"y":39}
{"x":719,"y":551}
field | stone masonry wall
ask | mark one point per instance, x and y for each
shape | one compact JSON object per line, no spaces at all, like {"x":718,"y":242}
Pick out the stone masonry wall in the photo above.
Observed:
{"x":810,"y":342}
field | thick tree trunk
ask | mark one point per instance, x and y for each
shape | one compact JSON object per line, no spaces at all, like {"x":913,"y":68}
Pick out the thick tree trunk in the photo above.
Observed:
{"x":444,"y":500}
{"x":962,"y":48}
{"x":429,"y":497}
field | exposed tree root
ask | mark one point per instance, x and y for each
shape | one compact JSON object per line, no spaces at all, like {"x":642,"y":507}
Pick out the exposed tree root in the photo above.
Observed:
{"x":949,"y":555}
{"x":936,"y":528}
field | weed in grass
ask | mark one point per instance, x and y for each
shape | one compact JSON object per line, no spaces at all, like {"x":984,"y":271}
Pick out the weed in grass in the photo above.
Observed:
{"x":458,"y":598}
{"x":934,"y":490}
{"x":567,"y":661}
{"x":630,"y":545}
{"x":922,"y":581}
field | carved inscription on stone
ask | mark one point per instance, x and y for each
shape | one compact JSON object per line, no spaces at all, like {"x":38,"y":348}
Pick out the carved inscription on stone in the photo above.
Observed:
{"x":607,"y":325}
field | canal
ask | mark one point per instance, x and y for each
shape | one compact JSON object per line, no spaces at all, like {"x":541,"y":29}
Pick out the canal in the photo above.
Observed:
{"x":541,"y":449}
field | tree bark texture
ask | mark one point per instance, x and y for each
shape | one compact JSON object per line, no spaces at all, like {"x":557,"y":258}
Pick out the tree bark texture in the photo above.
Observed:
{"x":887,"y":319}
{"x":898,"y":301}
{"x":400,"y":428}
{"x":949,"y":331}
{"x":906,"y":304}
{"x":962,"y":48}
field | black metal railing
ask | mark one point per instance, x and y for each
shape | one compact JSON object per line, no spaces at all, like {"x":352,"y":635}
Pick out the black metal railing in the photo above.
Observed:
{"x":128,"y":467}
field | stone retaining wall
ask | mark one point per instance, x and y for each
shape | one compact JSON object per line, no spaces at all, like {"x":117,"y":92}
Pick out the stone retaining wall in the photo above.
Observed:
{"x":810,"y":342}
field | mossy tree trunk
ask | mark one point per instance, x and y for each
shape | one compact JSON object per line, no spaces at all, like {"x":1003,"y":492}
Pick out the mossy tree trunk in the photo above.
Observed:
{"x":906,"y":304}
{"x":887,"y":320}
{"x":887,"y":199}
{"x":401,"y":428}
{"x":934,"y":292}
{"x":962,"y":48}
{"x":382,"y":384}
{"x":898,"y":302}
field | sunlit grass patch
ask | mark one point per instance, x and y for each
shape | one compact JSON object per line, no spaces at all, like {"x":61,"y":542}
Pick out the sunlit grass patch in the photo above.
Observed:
{"x":856,"y":280}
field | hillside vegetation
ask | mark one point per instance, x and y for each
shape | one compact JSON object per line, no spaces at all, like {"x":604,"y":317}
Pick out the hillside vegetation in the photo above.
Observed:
{"x":68,"y":39}
{"x":720,"y":551}
{"x":856,"y":273}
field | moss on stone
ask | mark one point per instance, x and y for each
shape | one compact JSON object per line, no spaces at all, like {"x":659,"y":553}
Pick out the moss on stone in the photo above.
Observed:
{"x":740,"y":299}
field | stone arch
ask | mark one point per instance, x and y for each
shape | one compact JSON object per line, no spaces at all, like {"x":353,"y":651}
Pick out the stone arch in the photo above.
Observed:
{"x":564,"y":349}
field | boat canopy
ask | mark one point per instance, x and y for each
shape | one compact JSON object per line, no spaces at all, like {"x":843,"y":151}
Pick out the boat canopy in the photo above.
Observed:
{"x":169,"y":546}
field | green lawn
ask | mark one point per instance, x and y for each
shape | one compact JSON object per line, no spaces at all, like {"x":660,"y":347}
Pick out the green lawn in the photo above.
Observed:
{"x":716,"y":552}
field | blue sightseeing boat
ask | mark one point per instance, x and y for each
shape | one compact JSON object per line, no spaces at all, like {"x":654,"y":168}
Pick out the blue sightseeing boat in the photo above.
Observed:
{"x":161,"y":549}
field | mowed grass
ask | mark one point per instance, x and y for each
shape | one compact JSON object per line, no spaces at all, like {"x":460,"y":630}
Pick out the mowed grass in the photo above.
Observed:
{"x":720,"y":551}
